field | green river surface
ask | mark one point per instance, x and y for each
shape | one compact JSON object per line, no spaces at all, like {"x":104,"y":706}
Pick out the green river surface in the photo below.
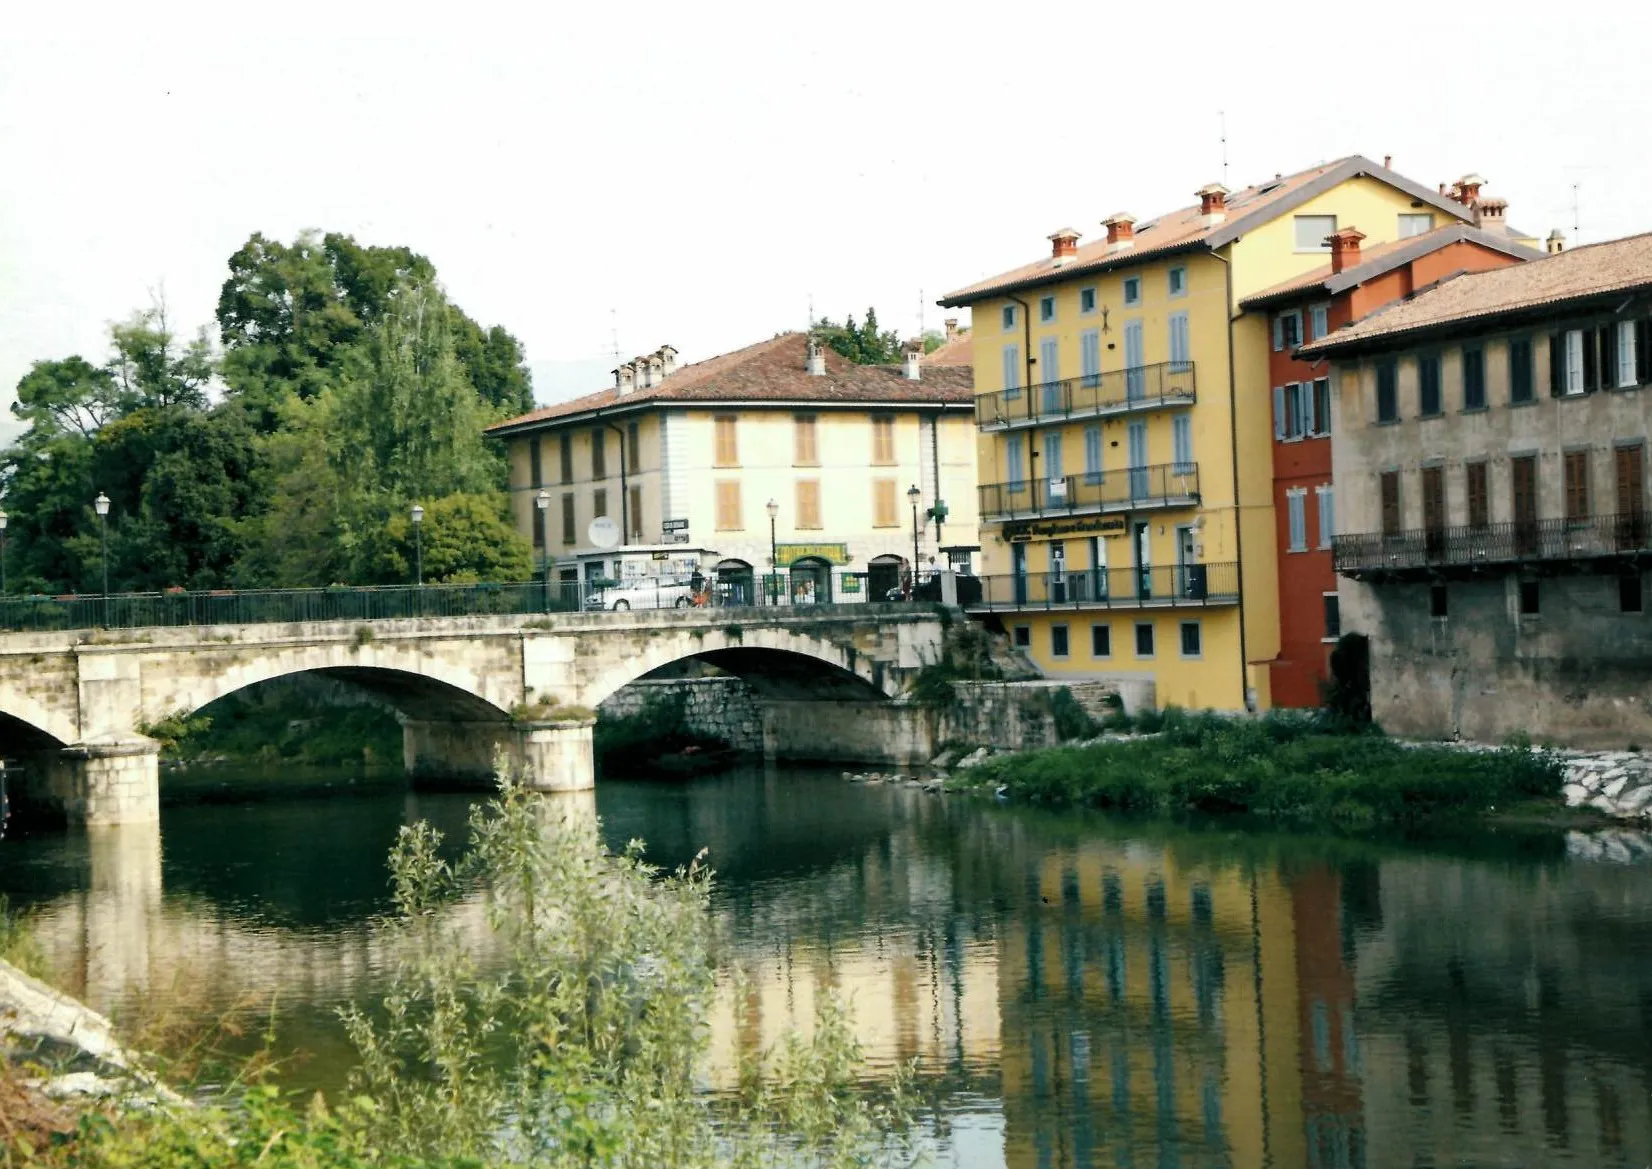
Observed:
{"x":1077,"y":990}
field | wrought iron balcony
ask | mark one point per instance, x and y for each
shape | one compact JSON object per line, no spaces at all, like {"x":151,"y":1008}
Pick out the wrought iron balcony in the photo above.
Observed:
{"x":1113,"y":588}
{"x":1121,"y":489}
{"x":1423,"y":552}
{"x":1118,"y":391}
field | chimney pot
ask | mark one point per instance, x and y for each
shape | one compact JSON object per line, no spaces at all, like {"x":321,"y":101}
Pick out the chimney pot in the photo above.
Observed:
{"x":1556,"y":243}
{"x":914,"y":360}
{"x":951,"y":328}
{"x":1388,"y":162}
{"x":817,"y":358}
{"x":1467,"y":189}
{"x":1213,"y":203}
{"x":1344,"y":248}
{"x":668,"y":361}
{"x":1491,"y":214}
{"x":625,"y":378}
{"x":1063,"y":245}
{"x":1121,"y":230}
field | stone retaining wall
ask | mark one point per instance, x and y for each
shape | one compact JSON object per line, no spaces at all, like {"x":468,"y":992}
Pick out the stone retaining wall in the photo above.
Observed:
{"x":721,"y":708}
{"x":1618,"y":783}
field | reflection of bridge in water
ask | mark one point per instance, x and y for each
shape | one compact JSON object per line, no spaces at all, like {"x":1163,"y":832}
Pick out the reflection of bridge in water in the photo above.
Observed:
{"x":1132,"y":995}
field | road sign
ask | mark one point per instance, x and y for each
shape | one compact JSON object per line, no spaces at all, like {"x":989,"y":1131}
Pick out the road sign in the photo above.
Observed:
{"x":674,"y":526}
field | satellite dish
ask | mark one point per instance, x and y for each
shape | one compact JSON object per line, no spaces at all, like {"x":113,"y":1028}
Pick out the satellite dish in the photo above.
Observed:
{"x":603,"y":532}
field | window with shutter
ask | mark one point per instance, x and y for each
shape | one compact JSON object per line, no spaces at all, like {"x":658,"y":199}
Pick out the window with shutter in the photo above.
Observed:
{"x":1626,"y":354}
{"x":1474,"y":378}
{"x":804,"y":452}
{"x":1092,"y":455}
{"x":1390,"y":494}
{"x":1523,"y":481}
{"x":727,"y":451}
{"x":633,"y":445}
{"x":1015,"y":466}
{"x":1580,"y":360}
{"x":1520,"y":370}
{"x":883,"y":439}
{"x":568,"y":519}
{"x":1296,"y":508}
{"x":535,"y":478}
{"x":1279,"y":413}
{"x":1012,"y":372}
{"x":884,"y":511}
{"x":1388,"y":393}
{"x":808,"y":503}
{"x":1643,"y":352}
{"x":599,"y":503}
{"x":729,"y":518}
{"x":1322,"y":407}
{"x":635,"y":516}
{"x":1293,"y":411}
{"x":1327,"y":514}
{"x":1428,"y":384}
{"x":567,"y":457}
{"x":1434,"y":519}
{"x":1576,"y":465}
{"x":1090,"y":357}
{"x":599,"y":453}
{"x":1605,"y":345}
{"x":1474,"y":480}
{"x":1631,"y":480}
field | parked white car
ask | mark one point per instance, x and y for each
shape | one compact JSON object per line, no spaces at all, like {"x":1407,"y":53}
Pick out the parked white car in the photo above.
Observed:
{"x":645,"y":593}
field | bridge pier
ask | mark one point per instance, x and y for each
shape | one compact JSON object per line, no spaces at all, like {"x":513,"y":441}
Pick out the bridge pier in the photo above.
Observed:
{"x":548,"y":756}
{"x":100,"y":782}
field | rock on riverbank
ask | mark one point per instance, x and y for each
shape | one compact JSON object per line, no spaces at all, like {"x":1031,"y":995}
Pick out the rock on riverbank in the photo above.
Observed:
{"x":1616,"y":783}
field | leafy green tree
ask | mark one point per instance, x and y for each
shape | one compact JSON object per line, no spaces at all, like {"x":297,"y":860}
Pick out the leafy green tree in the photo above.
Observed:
{"x":150,"y":367}
{"x":71,"y":396}
{"x":466,"y":538}
{"x":862,"y":344}
{"x":933,"y":339}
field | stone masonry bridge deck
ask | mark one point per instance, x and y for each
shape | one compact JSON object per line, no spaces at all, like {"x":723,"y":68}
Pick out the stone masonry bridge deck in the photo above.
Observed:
{"x":73,"y":704}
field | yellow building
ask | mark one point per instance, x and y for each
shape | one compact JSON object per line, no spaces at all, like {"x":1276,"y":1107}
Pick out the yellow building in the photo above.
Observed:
{"x":693,"y":457}
{"x":1125,"y":419}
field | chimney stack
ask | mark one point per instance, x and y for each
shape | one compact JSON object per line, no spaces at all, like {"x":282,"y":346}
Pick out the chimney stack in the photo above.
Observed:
{"x":625,"y":378}
{"x":1121,"y":231}
{"x":1388,"y":162}
{"x":1555,"y":244}
{"x":1063,"y":245}
{"x":1344,"y":248}
{"x":817,"y":357}
{"x":951,"y":328}
{"x":668,"y":361}
{"x":914,"y":359}
{"x":1213,"y":203}
{"x":1492,"y":215}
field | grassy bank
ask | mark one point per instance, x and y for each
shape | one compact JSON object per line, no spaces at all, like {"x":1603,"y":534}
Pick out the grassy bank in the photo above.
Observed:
{"x":1282,"y":766}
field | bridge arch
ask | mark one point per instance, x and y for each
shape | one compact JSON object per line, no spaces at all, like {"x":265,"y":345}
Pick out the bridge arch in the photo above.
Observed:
{"x":772,"y":653}
{"x":26,"y":725}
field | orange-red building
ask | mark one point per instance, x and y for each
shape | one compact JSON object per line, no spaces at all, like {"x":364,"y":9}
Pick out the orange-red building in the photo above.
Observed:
{"x":1353,"y":285}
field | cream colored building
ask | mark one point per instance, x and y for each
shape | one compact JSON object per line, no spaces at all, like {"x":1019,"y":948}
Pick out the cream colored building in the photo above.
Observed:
{"x":693,"y":456}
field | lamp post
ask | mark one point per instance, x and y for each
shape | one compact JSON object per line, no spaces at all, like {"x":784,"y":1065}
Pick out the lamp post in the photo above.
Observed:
{"x":3,"y":519}
{"x":542,"y":503}
{"x":418,"y":546}
{"x":773,"y":509}
{"x":913,"y":495}
{"x":101,"y":503}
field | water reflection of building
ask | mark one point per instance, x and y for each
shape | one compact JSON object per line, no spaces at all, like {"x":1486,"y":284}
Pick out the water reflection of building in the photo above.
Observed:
{"x":1151,"y":1013}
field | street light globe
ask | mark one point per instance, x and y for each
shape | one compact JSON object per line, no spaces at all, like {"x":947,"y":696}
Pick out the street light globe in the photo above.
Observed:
{"x":101,"y":503}
{"x":772,"y":508}
{"x":542,"y":500}
{"x":418,"y":514}
{"x":912,"y":493}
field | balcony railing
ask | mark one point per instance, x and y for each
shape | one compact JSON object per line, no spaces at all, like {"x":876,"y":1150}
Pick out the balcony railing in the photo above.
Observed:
{"x":1113,"y":588}
{"x":1142,"y":387}
{"x":1422,"y":551}
{"x":1122,"y":489}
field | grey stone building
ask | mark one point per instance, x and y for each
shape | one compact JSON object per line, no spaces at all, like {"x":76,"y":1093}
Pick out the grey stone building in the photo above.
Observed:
{"x":1490,"y":460}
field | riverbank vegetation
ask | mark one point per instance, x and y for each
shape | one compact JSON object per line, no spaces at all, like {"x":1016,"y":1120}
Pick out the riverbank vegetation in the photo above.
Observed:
{"x":1283,"y":765}
{"x":657,"y":737}
{"x":572,"y":1034}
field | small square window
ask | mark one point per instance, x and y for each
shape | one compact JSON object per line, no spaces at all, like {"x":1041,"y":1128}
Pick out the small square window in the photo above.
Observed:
{"x":1436,"y":600}
{"x":1021,"y":635}
{"x":1333,"y":617}
{"x":1058,"y":641}
{"x":1192,"y":639}
{"x":1411,"y":225}
{"x":1101,"y":641}
{"x":1009,"y":316}
{"x":1046,"y":308}
{"x":1319,"y":321}
{"x":1529,"y":600}
{"x":1178,"y":281}
{"x":1086,"y":300}
{"x":1132,"y":290}
{"x":1144,"y":639}
{"x":1311,"y":231}
{"x":1629,"y":593}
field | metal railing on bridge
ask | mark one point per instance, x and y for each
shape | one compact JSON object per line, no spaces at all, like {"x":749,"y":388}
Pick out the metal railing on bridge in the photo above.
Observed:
{"x":177,"y":607}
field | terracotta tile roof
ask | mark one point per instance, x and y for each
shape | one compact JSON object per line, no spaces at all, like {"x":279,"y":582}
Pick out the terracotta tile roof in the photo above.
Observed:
{"x":1375,"y":261}
{"x":772,"y":371}
{"x":1579,"y":274}
{"x":958,"y":351}
{"x":1185,"y":228}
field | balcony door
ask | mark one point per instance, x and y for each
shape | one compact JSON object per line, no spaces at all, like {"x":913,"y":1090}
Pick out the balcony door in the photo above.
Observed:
{"x":1144,"y":563}
{"x":1138,"y":460}
{"x":1434,"y":517}
{"x":1054,"y":473}
{"x":1135,"y":377}
{"x":1018,"y":572}
{"x":1049,"y":374}
{"x":1523,"y":478}
{"x":1630,"y":473}
{"x":1058,"y":572}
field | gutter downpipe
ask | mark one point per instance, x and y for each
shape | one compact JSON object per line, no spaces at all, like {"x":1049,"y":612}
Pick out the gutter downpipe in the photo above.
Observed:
{"x":625,"y":493}
{"x":1238,"y":510}
{"x":1028,"y":360}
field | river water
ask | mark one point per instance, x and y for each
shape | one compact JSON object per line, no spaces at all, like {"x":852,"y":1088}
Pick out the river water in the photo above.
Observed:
{"x":1077,"y":990}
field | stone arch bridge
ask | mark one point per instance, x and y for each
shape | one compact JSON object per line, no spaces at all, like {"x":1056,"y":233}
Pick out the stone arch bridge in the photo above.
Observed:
{"x":73,"y":704}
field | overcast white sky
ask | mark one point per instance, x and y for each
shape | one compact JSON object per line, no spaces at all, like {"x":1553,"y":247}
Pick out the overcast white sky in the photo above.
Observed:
{"x":696,"y":173}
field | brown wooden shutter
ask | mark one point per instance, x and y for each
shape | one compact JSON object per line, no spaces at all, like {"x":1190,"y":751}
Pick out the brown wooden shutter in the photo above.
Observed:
{"x":1433,"y":484}
{"x":599,"y":453}
{"x":567,"y":457}
{"x":884,"y":513}
{"x":1591,"y":360}
{"x":808,"y":503}
{"x":728,"y":505}
{"x":1557,"y":364}
{"x":1606,"y":373}
{"x":636,"y":513}
{"x":568,"y":519}
{"x":1643,"y":351}
{"x":1631,"y":477}
{"x":1390,"y":503}
{"x":1478,"y":511}
{"x":1577,"y":485}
